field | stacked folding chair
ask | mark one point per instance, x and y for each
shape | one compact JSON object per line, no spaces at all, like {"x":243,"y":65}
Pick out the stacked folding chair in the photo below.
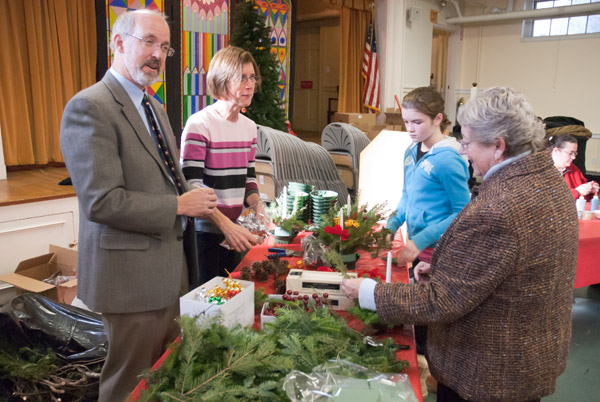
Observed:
{"x":345,"y":143}
{"x":282,"y":158}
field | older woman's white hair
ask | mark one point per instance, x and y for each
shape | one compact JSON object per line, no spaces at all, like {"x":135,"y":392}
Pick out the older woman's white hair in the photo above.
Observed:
{"x":500,"y":112}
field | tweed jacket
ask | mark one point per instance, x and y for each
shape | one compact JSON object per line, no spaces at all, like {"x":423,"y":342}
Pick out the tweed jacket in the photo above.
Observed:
{"x":499,"y":301}
{"x":130,"y":237}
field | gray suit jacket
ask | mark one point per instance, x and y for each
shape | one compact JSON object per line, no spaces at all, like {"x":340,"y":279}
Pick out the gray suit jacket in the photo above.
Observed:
{"x":130,"y":238}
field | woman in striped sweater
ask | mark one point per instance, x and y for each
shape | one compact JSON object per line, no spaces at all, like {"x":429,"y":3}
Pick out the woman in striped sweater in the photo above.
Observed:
{"x":218,"y":149}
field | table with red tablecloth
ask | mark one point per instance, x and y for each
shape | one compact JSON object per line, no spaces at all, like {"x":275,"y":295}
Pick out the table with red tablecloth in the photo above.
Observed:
{"x":366,"y":264}
{"x":588,"y":254}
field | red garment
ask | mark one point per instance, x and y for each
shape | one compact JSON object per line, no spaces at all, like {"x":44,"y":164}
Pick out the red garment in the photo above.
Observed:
{"x":574,"y":179}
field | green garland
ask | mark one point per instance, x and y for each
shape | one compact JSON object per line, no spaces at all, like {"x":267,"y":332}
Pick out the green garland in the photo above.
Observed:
{"x":214,"y":363}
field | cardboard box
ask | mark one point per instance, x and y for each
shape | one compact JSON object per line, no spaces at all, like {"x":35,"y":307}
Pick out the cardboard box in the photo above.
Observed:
{"x":357,"y":119}
{"x":237,"y":310}
{"x":373,"y":131}
{"x":30,"y":274}
{"x":394,"y":118}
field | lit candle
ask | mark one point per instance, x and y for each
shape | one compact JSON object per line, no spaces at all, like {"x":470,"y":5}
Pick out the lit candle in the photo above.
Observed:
{"x":341,"y":218}
{"x":349,"y":205}
{"x":284,"y":203}
{"x":388,"y":268}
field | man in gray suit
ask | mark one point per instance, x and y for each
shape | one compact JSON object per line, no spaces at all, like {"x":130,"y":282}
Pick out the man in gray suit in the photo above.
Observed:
{"x":132,"y":266}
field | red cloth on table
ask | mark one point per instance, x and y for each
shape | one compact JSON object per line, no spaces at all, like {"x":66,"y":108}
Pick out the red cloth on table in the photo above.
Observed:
{"x":365,"y":265}
{"x":588,"y":254}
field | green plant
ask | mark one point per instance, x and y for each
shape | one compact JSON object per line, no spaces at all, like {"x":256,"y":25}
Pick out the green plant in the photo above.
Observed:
{"x":215,"y":363}
{"x":361,"y":230}
{"x":292,"y":223}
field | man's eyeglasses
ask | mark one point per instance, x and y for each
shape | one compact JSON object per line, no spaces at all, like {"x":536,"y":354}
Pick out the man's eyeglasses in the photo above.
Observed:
{"x":572,"y":154}
{"x":253,"y":78}
{"x":151,"y":43}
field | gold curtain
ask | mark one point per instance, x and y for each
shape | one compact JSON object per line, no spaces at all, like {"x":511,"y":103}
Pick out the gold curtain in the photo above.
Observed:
{"x":353,"y":4}
{"x":353,"y":25}
{"x":439,"y":60}
{"x":49,"y":54}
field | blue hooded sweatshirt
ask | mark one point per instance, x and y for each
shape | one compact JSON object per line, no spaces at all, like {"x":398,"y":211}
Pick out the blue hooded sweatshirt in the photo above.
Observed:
{"x":435,"y":191}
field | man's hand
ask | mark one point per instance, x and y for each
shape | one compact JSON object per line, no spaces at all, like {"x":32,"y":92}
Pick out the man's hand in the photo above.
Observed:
{"x":197,"y":203}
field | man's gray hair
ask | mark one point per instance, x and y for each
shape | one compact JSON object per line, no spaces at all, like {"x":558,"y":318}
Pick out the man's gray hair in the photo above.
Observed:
{"x":125,"y":23}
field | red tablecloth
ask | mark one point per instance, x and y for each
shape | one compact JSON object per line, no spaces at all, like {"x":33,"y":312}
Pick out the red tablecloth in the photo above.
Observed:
{"x":588,"y":255}
{"x":402,"y":336}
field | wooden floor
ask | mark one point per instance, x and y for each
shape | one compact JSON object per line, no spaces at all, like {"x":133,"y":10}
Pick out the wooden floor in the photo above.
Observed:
{"x":309,"y":136}
{"x":34,"y":185}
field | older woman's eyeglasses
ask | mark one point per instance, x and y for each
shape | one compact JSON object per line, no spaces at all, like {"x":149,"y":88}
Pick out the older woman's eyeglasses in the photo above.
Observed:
{"x":252,"y":77}
{"x":572,"y":154}
{"x":465,"y":144}
{"x":151,"y":43}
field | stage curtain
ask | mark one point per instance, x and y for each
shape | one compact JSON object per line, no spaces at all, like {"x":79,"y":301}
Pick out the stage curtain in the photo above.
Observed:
{"x":352,"y":4}
{"x":49,"y":54}
{"x":353,"y":23}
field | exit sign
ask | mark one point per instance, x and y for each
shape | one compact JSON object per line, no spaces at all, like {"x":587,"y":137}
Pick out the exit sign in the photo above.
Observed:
{"x":306,"y":84}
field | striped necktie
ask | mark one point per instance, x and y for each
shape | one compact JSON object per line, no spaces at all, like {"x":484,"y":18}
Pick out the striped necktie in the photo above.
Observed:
{"x":163,"y":147}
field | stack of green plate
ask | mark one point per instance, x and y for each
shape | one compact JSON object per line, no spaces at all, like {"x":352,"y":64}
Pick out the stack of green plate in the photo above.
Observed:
{"x":322,"y":201}
{"x":297,"y":198}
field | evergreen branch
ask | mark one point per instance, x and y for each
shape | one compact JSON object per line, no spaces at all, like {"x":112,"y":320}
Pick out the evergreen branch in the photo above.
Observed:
{"x":220,"y":373}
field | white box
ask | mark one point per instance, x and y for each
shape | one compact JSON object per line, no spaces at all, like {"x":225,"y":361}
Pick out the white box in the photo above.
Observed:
{"x":237,"y":310}
{"x":268,"y":318}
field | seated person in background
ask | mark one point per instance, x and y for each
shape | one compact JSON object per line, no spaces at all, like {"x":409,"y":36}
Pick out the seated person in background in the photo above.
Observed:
{"x":564,"y":151}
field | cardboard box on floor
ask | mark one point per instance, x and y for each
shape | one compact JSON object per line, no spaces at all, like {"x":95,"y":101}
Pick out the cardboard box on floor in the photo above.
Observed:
{"x":360,"y":120}
{"x":393,"y":117}
{"x":30,"y":274}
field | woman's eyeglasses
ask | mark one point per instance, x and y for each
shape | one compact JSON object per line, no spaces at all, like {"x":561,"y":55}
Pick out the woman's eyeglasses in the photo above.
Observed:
{"x":572,"y":154}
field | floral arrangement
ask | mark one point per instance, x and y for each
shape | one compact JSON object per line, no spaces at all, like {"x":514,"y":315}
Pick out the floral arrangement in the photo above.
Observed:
{"x":288,"y":222}
{"x":360,"y":230}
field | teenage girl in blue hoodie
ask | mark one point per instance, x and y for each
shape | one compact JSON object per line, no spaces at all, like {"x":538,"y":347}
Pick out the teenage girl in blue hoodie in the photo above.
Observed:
{"x":435,"y":176}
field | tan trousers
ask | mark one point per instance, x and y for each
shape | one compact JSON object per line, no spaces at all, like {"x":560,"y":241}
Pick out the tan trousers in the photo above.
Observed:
{"x":135,"y":342}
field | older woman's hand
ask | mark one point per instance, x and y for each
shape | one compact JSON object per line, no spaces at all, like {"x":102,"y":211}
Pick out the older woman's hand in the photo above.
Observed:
{"x":422,"y":271}
{"x":351,"y":286}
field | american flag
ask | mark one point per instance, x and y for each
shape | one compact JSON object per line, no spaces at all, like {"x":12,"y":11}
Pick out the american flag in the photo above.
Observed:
{"x":370,"y":71}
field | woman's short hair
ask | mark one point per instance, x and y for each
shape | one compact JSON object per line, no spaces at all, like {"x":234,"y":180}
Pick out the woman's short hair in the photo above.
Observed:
{"x":226,"y":68}
{"x":428,"y":101}
{"x":557,"y":141}
{"x":500,"y":112}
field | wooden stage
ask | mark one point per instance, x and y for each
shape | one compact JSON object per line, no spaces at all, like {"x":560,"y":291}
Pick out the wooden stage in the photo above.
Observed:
{"x":40,"y":184}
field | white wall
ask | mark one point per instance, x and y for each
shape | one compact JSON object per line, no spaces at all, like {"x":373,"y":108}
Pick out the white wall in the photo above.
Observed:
{"x":559,"y":77}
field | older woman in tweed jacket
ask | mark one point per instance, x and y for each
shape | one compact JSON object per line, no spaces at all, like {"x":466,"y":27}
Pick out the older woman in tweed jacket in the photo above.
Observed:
{"x":498,"y":302}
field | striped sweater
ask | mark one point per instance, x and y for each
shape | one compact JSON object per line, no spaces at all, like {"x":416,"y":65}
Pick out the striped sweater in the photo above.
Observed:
{"x":219,"y":154}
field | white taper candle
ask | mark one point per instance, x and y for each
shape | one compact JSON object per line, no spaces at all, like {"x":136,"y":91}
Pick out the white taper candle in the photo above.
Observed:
{"x":388,"y":268}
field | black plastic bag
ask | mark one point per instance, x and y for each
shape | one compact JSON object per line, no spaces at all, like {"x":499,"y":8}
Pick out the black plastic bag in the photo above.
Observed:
{"x":74,"y":334}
